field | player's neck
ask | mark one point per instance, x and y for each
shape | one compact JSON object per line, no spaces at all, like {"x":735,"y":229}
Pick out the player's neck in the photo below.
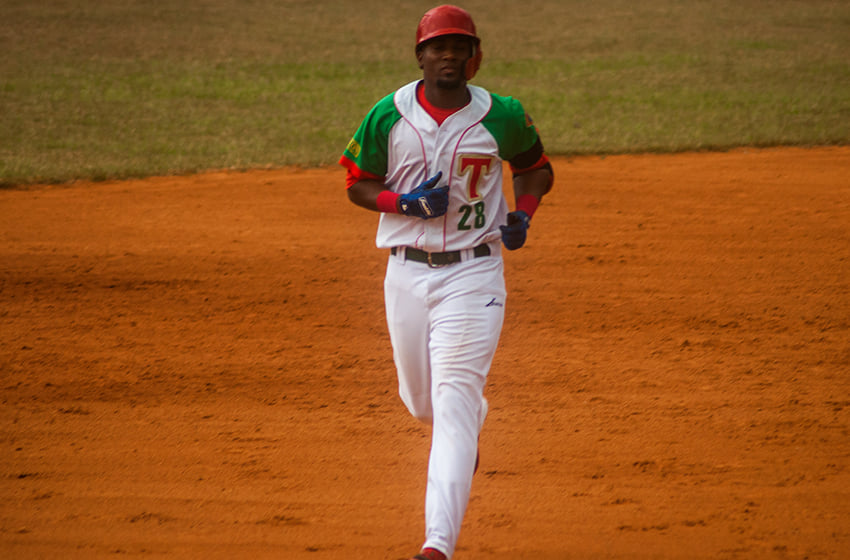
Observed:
{"x":439,"y":114}
{"x":447,"y":98}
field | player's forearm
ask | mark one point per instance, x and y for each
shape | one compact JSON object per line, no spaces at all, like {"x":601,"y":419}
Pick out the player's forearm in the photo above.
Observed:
{"x":536,"y":183}
{"x":529,"y":189}
{"x":365,"y":193}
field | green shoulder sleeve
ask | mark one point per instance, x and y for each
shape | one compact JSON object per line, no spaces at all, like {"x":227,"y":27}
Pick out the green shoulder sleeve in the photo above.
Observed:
{"x":368,"y":148}
{"x":510,"y":125}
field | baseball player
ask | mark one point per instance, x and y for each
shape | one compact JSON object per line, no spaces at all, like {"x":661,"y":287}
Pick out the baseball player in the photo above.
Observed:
{"x":428,"y":157}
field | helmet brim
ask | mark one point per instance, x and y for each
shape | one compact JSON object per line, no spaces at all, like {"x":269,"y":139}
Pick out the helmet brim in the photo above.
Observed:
{"x":447,"y":31}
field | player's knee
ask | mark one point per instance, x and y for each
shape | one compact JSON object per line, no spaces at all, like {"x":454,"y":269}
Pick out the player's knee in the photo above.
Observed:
{"x":419,"y":406}
{"x":423,"y":416}
{"x":422,"y":413}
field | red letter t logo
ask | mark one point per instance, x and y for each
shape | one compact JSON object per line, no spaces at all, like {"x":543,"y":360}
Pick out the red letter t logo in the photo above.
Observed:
{"x":475,"y":166}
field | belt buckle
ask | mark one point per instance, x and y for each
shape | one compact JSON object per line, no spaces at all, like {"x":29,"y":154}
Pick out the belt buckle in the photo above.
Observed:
{"x":432,"y":265}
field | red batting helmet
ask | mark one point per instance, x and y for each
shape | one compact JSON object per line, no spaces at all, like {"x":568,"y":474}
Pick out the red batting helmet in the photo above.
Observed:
{"x":450,"y":20}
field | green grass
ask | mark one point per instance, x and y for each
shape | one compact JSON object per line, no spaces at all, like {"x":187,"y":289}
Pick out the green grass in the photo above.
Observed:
{"x":133,"y":88}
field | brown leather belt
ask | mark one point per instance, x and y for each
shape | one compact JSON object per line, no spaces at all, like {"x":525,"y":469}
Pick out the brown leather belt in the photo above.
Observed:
{"x":438,"y":259}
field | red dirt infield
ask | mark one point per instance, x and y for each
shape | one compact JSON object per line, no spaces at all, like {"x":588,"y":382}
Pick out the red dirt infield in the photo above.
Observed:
{"x":198,"y":367}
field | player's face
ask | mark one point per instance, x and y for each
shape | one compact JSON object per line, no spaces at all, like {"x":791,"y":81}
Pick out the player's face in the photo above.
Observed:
{"x":443,"y":60}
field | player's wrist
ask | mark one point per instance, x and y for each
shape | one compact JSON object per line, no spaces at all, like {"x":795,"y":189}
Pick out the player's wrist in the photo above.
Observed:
{"x":387,"y":202}
{"x":527,"y":203}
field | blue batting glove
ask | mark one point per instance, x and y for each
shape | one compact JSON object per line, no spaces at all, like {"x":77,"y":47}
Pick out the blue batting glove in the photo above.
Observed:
{"x":425,"y":201}
{"x":513,"y":234}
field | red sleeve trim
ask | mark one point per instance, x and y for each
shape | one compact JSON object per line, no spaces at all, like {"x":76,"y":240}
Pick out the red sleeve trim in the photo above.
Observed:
{"x":544,"y":159}
{"x":542,"y":163}
{"x":355,"y":174}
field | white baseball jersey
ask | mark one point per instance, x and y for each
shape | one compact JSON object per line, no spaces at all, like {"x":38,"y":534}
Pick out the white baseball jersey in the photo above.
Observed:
{"x":444,"y":322}
{"x":401,"y":143}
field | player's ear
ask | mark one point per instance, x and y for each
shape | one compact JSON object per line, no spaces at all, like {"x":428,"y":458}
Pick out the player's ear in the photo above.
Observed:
{"x":419,"y":57}
{"x":474,"y":63}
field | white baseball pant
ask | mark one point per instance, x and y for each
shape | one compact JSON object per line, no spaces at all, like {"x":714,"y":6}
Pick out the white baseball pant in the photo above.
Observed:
{"x":444,"y":324}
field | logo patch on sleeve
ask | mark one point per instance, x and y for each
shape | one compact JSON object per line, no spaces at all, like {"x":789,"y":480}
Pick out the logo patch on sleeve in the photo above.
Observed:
{"x":353,"y":148}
